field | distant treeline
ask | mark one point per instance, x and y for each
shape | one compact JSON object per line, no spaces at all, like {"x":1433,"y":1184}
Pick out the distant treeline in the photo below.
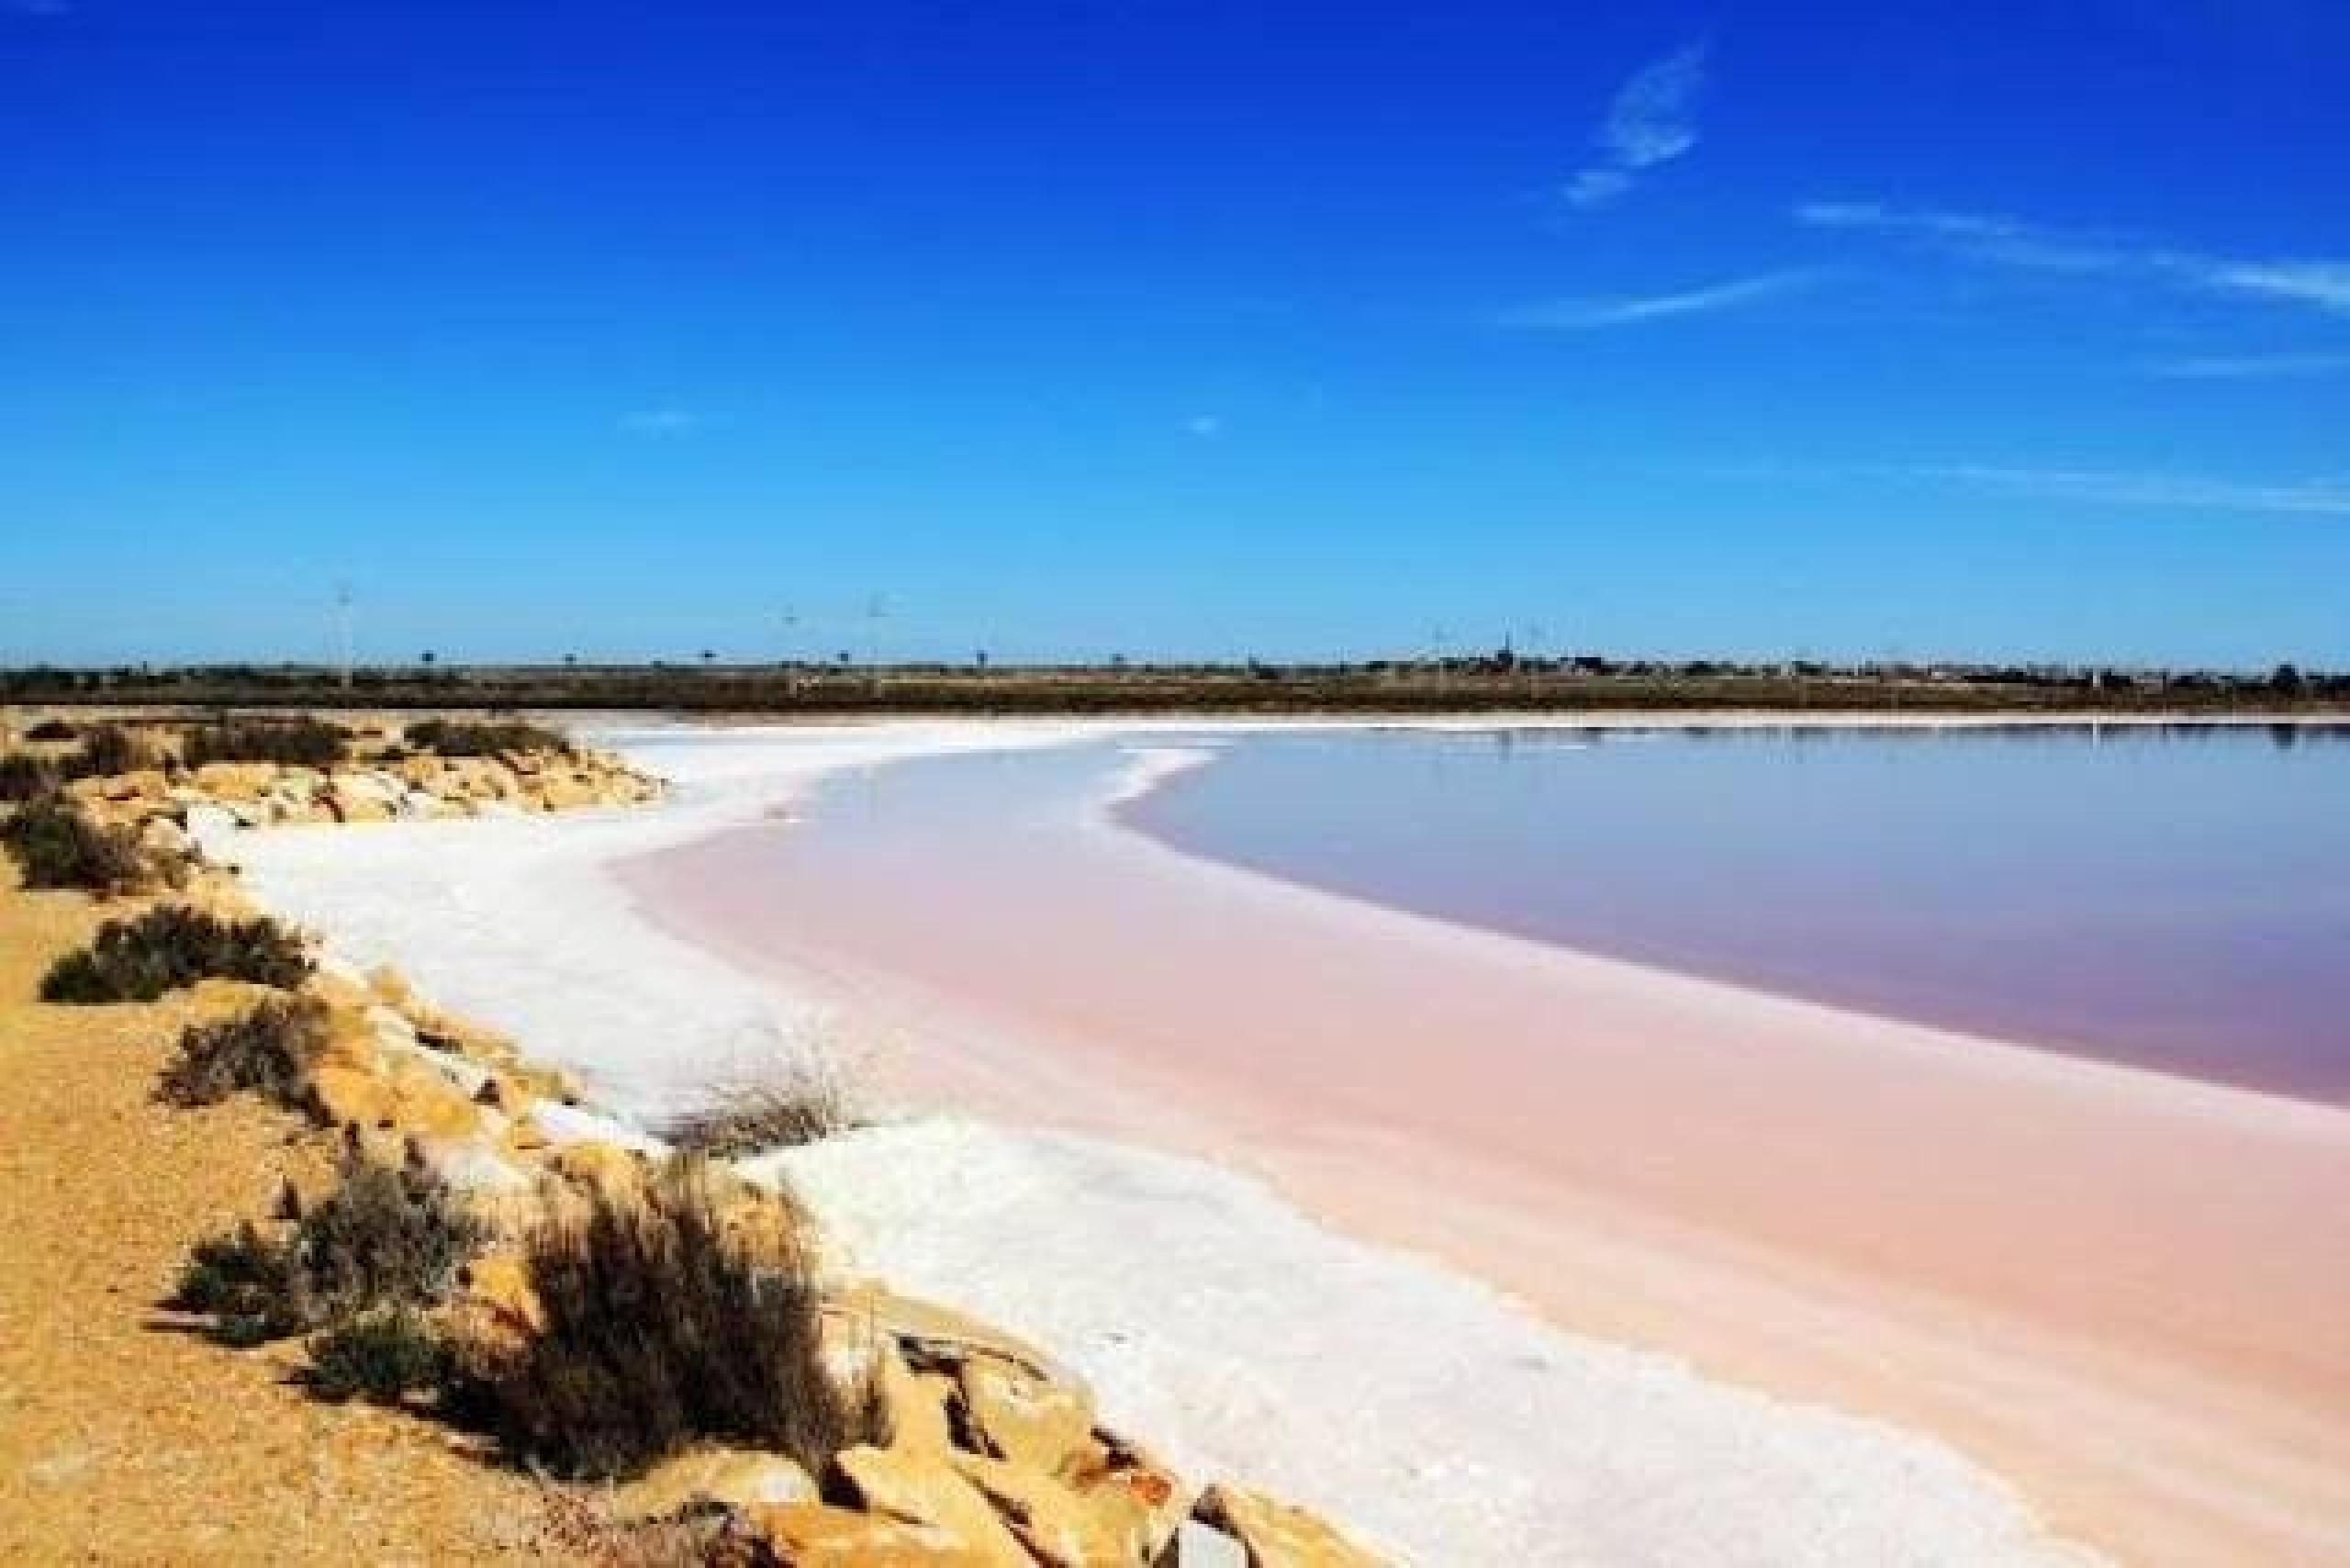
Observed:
{"x":1498,"y":683}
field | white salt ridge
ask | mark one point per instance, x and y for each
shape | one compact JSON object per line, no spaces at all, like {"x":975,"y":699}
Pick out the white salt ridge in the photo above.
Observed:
{"x":1441,"y":1421}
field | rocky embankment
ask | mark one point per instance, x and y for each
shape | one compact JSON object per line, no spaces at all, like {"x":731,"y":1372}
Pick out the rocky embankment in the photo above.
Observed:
{"x":265,"y":794}
{"x":976,"y":1449}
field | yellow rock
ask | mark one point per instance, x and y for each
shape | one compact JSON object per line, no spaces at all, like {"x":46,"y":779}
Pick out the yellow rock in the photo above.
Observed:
{"x":391,"y":988}
{"x":1134,"y":1498}
{"x":1051,"y":1521}
{"x":417,"y":1103}
{"x":931,"y":1332}
{"x":917,"y":1404}
{"x":925,"y":1489}
{"x":236,"y":780}
{"x":1278,"y":1534}
{"x":1024,"y":1417}
{"x":350,"y":1096}
{"x":811,"y":1535}
{"x":561,"y":793}
{"x":341,"y":993}
{"x":739,"y":1478}
{"x":353,"y":805}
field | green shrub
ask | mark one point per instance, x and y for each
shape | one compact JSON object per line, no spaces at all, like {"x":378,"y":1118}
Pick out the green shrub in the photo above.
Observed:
{"x":454,"y":737}
{"x":55,"y":844}
{"x":269,"y":1050}
{"x":659,"y":1330}
{"x":170,"y":946}
{"x":301,"y":741}
{"x":24,"y":777}
{"x":51,"y":730}
{"x":109,"y":749}
{"x":387,"y":1237}
{"x":383,"y":1356}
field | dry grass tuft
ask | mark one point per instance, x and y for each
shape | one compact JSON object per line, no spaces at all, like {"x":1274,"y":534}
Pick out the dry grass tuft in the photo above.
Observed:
{"x":803,"y":1107}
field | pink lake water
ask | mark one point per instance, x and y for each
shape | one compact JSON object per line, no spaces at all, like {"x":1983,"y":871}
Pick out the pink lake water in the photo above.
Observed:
{"x":2006,"y":1248}
{"x":2175,"y":898}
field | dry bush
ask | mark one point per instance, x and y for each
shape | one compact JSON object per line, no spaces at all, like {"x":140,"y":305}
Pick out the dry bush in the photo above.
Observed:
{"x":301,"y":741}
{"x":662,"y":1329}
{"x":502,"y":737}
{"x":55,"y":844}
{"x":174,"y":945}
{"x":383,"y":1355}
{"x":249,"y":1282}
{"x":24,"y":777}
{"x":269,"y":1050}
{"x":109,"y":749}
{"x":387,"y":1237}
{"x":51,"y":730}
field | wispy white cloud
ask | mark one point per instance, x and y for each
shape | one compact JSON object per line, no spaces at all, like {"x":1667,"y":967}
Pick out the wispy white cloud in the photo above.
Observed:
{"x":1207,"y":427}
{"x":1585,"y":314}
{"x":1651,"y":120}
{"x":1993,"y":237}
{"x":2322,"y":498}
{"x":661,"y":422}
{"x":2323,"y":284}
{"x":2012,"y":242}
{"x":2251,"y":366}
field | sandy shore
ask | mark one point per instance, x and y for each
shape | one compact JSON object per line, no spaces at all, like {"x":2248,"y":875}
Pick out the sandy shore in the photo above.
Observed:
{"x":2126,"y":1293}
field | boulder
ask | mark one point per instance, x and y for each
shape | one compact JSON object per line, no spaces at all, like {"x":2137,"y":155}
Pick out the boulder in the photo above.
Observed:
{"x":415,"y":1104}
{"x":561,"y":792}
{"x":162,"y":837}
{"x":738,"y":1478}
{"x":1014,"y":1414}
{"x":937,"y":1337}
{"x":363,"y":798}
{"x":812,"y":1535}
{"x":1134,"y":1497}
{"x":925,"y":1489}
{"x":238,"y":781}
{"x":1277,"y":1534}
{"x":917,"y":1404}
{"x":1050,"y":1520}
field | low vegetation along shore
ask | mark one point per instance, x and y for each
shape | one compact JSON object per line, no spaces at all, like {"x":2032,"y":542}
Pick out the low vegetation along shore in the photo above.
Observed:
{"x":306,"y":1268}
{"x":1500,"y":681}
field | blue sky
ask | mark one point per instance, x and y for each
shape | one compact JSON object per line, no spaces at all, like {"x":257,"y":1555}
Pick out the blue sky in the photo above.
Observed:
{"x":2012,"y":329}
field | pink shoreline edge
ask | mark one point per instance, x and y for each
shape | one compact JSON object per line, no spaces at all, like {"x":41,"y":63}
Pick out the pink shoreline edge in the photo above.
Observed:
{"x":1109,"y":813}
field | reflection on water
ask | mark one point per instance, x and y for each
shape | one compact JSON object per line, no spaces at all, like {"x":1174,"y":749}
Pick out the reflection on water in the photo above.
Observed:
{"x":2173,"y":896}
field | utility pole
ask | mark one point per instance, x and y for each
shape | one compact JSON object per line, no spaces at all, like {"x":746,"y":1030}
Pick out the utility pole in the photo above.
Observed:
{"x":343,"y":629}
